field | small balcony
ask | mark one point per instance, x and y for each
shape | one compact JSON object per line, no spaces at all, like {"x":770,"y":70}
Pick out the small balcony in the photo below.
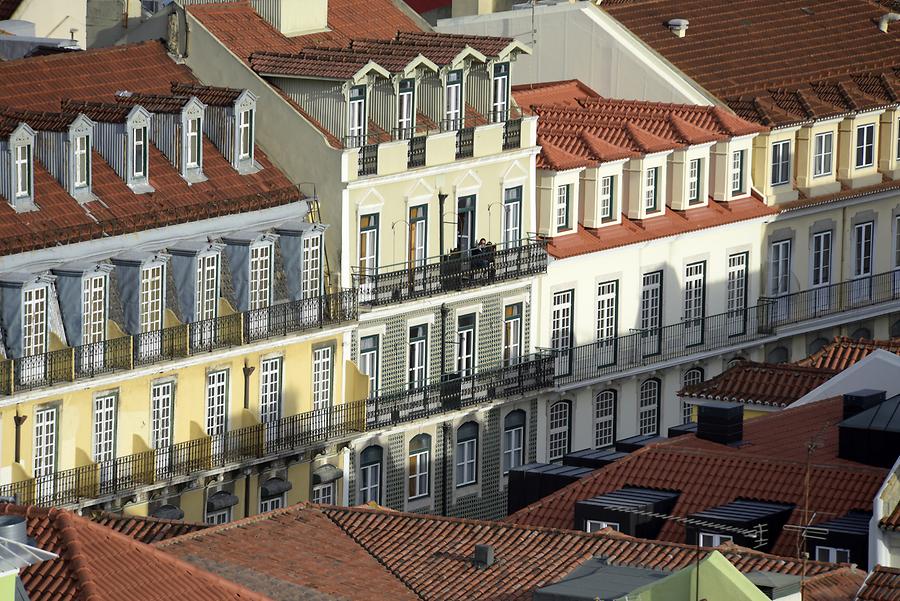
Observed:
{"x":451,"y":272}
{"x":127,"y":352}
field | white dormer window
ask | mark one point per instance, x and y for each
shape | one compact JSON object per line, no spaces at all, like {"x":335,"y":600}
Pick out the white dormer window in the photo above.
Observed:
{"x":193,"y":143}
{"x":823,"y":154}
{"x":245,"y":129}
{"x":651,"y":180}
{"x":501,"y":92}
{"x":737,"y":171}
{"x":93,"y":319}
{"x":34,"y":321}
{"x":23,"y":170}
{"x":781,"y":162}
{"x":865,"y":145}
{"x":607,"y":196}
{"x":207,"y":286}
{"x":82,"y":161}
{"x":406,"y":108}
{"x":695,"y":170}
{"x":562,"y":207}
{"x":453,"y":100}
{"x":139,"y":152}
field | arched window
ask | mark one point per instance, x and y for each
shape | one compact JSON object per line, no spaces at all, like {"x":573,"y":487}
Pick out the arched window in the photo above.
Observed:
{"x":467,"y":454}
{"x":558,"y":442}
{"x":605,"y":418}
{"x":419,"y":466}
{"x":816,"y":345}
{"x":691,"y":377}
{"x":648,"y":407}
{"x":370,"y":474}
{"x":735,"y":362}
{"x":779,"y":354}
{"x":861,"y":334}
{"x":513,"y":440}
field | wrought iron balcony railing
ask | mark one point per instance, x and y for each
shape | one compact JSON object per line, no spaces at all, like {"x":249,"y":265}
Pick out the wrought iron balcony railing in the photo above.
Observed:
{"x":451,"y":272}
{"x":126,"y":352}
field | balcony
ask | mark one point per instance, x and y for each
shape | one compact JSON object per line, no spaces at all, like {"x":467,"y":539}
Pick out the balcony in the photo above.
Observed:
{"x":451,"y":273}
{"x":127,"y":352}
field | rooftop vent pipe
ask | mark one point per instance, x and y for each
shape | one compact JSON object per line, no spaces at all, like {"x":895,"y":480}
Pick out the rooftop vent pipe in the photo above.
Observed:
{"x":484,"y":556}
{"x":13,"y":527}
{"x":678,"y":26}
{"x":886,"y":20}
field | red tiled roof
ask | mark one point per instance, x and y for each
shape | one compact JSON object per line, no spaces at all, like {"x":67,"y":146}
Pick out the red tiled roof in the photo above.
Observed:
{"x":749,"y":48}
{"x":208,"y":95}
{"x":95,"y":75}
{"x":431,"y":555}
{"x":769,"y":466}
{"x":671,"y":223}
{"x":769,"y":384}
{"x":839,"y":585}
{"x":845,"y":193}
{"x":557,"y":93}
{"x":882,"y":584}
{"x":891,"y":522}
{"x":39,"y":120}
{"x":844,"y":352}
{"x":145,"y":529}
{"x":155,"y":103}
{"x":288,"y":554}
{"x":97,"y":564}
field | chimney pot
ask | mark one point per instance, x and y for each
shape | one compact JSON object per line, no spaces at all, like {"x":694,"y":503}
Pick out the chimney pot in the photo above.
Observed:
{"x":14,"y":527}
{"x":484,"y":556}
{"x":678,"y":26}
{"x":886,"y":20}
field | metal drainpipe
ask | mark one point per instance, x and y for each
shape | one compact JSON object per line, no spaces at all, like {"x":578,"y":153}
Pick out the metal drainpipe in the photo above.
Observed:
{"x":446,"y":428}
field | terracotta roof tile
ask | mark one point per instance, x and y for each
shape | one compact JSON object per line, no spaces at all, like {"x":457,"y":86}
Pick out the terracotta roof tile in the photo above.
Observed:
{"x":40,"y":120}
{"x":155,"y":103}
{"x":770,"y":465}
{"x":97,"y":564}
{"x":145,"y":529}
{"x":208,"y":95}
{"x":882,"y":584}
{"x":94,"y":76}
{"x":775,"y":385}
{"x":844,"y":352}
{"x":891,"y":522}
{"x":431,"y":555}
{"x":839,"y":585}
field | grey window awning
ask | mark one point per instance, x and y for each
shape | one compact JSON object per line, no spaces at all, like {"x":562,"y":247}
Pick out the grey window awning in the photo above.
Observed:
{"x":326,"y":473}
{"x":168,"y":512}
{"x":221,"y":500}
{"x":274,"y":487}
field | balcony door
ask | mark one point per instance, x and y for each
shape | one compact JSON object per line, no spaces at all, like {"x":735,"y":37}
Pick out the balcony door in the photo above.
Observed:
{"x":512,"y":216}
{"x":417,"y":243}
{"x":356,"y":126}
{"x":561,"y":330}
{"x":821,"y":272}
{"x":780,"y":277}
{"x":694,"y":301}
{"x":368,"y":255}
{"x":651,"y":312}
{"x":863,"y":252}
{"x":465,"y":223}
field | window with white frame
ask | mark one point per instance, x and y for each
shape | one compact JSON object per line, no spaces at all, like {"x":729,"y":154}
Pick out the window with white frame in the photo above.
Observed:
{"x":737,"y":171}
{"x":648,"y":407}
{"x":271,"y":503}
{"x":139,"y":152}
{"x":368,"y":253}
{"x":368,"y":360}
{"x":215,"y":518}
{"x":823,"y":154}
{"x":695,"y":174}
{"x":321,"y":382}
{"x":370,"y":475}
{"x":245,"y":134}
{"x":82,"y":152}
{"x":467,"y":454}
{"x":651,"y":293}
{"x":34,"y":320}
{"x":562,"y":207}
{"x":711,"y":539}
{"x":356,"y":128}
{"x":93,"y":303}
{"x":736,"y":292}
{"x":598,"y":525}
{"x":863,"y":236}
{"x":607,"y":310}
{"x":558,"y":431}
{"x":651,"y":189}
{"x":44,"y":461}
{"x":24,"y":166}
{"x":312,"y":266}
{"x":561,"y":328}
{"x":216,"y":402}
{"x":821,"y":259}
{"x":607,"y":196}
{"x":151,"y":300}
{"x":694,"y":292}
{"x":512,"y":216}
{"x":781,"y":162}
{"x":270,"y":390}
{"x":865,"y":145}
{"x":512,"y":333}
{"x":260,"y":275}
{"x":832,"y":554}
{"x":162,"y":400}
{"x":453,"y":100}
{"x":513,"y":440}
{"x":207,"y":286}
{"x":417,"y":359}
{"x":604,"y":418}
{"x":419,"y":464}
{"x":780,"y":267}
{"x":406,"y":108}
{"x":104,"y":428}
{"x":193,"y":141}
{"x":465,"y":347}
{"x":691,"y":377}
{"x":500,"y":98}
{"x":323,"y":494}
{"x":417,"y":237}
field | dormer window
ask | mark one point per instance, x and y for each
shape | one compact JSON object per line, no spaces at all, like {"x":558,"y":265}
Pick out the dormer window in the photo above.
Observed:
{"x":34,"y":320}
{"x":406,"y":108}
{"x":865,"y":145}
{"x":453,"y":101}
{"x":695,"y":172}
{"x":207,"y":305}
{"x":357,"y":118}
{"x":562,"y":207}
{"x":82,"y":161}
{"x":651,"y":193}
{"x":23,"y":168}
{"x":501,"y":92}
{"x":737,"y":171}
{"x":823,"y":154}
{"x":260,"y":275}
{"x":781,"y":162}
{"x":245,"y":138}
{"x":607,"y":197}
{"x":139,"y":152}
{"x":192,"y":143}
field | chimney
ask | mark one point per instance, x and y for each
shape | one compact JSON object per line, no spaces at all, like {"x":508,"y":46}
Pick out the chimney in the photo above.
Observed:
{"x":886,"y":20}
{"x":720,"y":422}
{"x":292,"y":17}
{"x":13,"y":527}
{"x":678,"y":27}
{"x":484,"y":556}
{"x":860,"y":400}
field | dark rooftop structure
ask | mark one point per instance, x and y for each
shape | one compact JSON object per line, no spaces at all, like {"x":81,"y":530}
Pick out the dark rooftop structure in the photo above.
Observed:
{"x":873,"y":435}
{"x":630,"y":510}
{"x":598,"y":579}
